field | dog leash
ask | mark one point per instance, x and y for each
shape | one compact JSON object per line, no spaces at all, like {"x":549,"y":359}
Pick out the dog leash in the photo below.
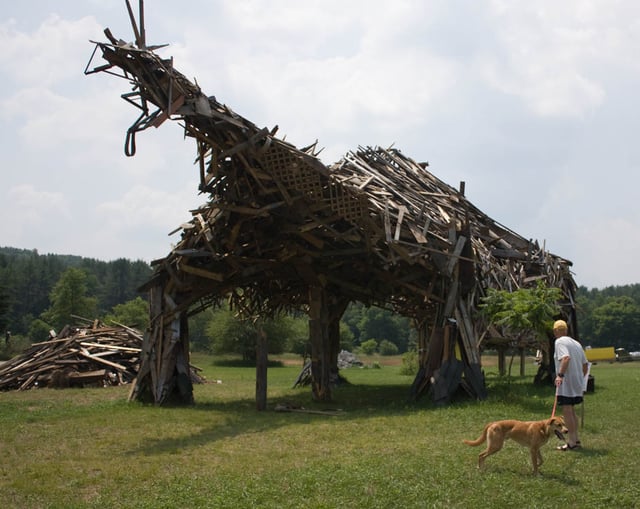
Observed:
{"x":553,"y":414}
{"x":555,"y":403}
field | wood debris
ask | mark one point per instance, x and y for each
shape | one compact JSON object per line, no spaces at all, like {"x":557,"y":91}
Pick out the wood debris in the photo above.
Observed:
{"x":76,"y":357}
{"x":295,"y":408}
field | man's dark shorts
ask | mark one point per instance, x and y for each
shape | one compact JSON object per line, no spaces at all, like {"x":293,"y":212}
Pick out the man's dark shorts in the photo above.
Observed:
{"x":569,"y":400}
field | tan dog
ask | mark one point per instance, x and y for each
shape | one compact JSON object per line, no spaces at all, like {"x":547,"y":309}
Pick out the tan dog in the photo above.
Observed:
{"x":531,"y":434}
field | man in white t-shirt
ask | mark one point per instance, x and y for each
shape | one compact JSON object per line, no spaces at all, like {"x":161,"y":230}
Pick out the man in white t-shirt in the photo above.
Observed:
{"x":571,"y":369}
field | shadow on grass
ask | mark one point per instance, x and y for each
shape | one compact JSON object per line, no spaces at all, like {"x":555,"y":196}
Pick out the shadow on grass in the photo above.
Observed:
{"x":522,"y":392}
{"x":350,"y":402}
{"x":240,"y":363}
{"x":567,"y":480}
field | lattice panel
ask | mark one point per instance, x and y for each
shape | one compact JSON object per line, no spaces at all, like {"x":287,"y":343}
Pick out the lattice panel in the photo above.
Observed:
{"x":292,"y":171}
{"x":349,"y":205}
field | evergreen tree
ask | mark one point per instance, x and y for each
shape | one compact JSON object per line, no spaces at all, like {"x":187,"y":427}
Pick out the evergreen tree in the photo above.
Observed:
{"x":4,"y":310}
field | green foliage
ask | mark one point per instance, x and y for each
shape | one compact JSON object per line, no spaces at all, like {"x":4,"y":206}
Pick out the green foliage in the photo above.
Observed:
{"x":298,"y":336}
{"x":232,"y":334}
{"x":39,"y":330}
{"x":526,"y":309}
{"x":410,"y":363}
{"x":283,"y":330}
{"x":381,"y":323}
{"x":15,"y":346}
{"x":596,"y":328}
{"x":618,"y":320}
{"x":370,"y":322}
{"x":386,"y":347}
{"x":68,"y":298}
{"x":29,"y":277}
{"x":369,"y":347}
{"x":352,"y":317}
{"x":346,"y":337}
{"x":199,"y":339}
{"x":5,"y":307}
{"x":133,"y":313}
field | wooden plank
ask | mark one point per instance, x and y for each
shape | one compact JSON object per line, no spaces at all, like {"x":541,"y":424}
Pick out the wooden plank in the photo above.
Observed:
{"x":451,"y":300}
{"x":474,"y":343}
{"x":387,"y":222}
{"x":313,"y":240}
{"x":115,"y":365}
{"x":110,"y":347}
{"x":262,"y":357}
{"x":425,"y":228}
{"x":401,"y":213}
{"x":175,"y":106}
{"x":455,"y":256}
{"x":417,"y":234}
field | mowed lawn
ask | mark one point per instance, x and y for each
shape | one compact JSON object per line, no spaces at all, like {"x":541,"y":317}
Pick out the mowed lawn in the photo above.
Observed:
{"x":373,"y":448}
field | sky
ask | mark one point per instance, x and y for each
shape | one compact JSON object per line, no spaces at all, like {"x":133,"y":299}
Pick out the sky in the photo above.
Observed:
{"x":534,"y":105}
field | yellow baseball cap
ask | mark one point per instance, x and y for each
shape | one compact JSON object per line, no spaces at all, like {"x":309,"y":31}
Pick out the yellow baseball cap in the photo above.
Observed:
{"x":560,"y":325}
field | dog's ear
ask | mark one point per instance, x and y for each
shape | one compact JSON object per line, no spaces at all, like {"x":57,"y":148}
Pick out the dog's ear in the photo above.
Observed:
{"x":544,"y":430}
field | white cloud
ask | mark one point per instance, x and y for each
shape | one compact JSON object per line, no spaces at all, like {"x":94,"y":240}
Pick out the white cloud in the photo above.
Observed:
{"x":31,"y":216}
{"x":144,"y":205}
{"x":531,"y":103}
{"x":144,"y":216}
{"x":606,"y":248}
{"x":545,"y":57}
{"x":36,"y":205}
{"x":51,"y":54}
{"x":321,"y":70}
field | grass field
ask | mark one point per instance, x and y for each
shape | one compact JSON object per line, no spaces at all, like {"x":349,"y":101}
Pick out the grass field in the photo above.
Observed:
{"x":91,"y":448}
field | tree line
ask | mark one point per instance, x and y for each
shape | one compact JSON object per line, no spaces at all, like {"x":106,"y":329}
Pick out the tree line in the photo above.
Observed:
{"x":609,"y":316}
{"x":43,"y":292}
{"x":47,"y":288}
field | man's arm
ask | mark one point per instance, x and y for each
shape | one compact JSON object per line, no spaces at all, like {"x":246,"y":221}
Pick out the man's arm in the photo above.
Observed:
{"x":564,"y":363}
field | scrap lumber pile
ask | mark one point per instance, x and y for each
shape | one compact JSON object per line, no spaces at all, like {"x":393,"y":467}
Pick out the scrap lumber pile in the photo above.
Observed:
{"x":76,"y":357}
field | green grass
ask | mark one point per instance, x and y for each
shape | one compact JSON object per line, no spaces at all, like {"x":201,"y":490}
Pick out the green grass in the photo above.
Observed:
{"x":91,"y":448}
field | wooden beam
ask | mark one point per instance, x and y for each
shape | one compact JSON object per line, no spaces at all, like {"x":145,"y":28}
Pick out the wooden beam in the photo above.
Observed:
{"x":202,"y":272}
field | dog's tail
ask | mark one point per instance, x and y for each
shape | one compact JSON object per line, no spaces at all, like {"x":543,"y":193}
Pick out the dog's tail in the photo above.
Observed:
{"x":478,"y":440}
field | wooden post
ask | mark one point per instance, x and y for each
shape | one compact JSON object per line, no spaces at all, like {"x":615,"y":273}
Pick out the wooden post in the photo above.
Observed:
{"x":183,"y":388}
{"x":318,"y":337}
{"x":337,"y":308}
{"x":421,"y":329}
{"x":143,"y":387}
{"x":502,"y":369}
{"x":261,"y":368}
{"x":165,"y":373}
